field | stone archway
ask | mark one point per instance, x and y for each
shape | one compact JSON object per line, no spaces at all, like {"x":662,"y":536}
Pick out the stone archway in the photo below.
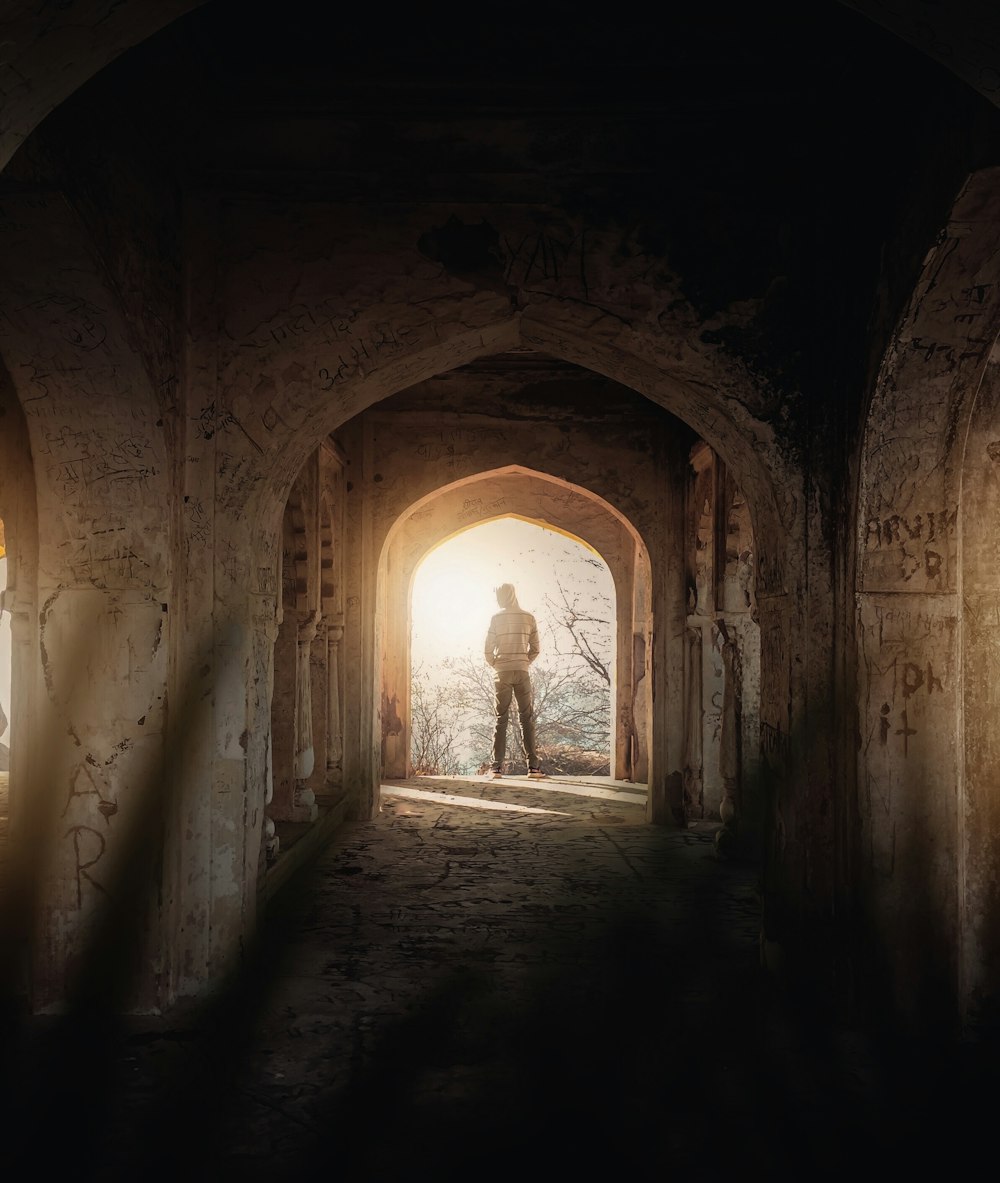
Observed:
{"x":515,"y":491}
{"x":280,"y":410}
{"x":48,"y":56}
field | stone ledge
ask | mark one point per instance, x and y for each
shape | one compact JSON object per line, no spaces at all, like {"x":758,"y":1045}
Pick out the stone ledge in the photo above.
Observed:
{"x":304,"y":848}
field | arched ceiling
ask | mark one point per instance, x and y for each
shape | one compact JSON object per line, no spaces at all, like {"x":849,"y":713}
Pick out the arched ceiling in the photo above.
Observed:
{"x":47,"y":51}
{"x":514,"y":491}
{"x":767,"y":152}
{"x":963,"y":35}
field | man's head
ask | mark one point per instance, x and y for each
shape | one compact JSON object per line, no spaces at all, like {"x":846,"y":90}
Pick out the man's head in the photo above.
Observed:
{"x":506,"y":596}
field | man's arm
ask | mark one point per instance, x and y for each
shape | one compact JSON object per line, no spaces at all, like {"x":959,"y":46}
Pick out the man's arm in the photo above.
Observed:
{"x":533,"y":649}
{"x":490,"y":648}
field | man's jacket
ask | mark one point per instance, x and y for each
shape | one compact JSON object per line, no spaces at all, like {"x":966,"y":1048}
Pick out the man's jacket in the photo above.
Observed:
{"x":512,"y":640}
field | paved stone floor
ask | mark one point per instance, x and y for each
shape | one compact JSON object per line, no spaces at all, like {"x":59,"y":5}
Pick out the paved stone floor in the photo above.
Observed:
{"x":488,"y":981}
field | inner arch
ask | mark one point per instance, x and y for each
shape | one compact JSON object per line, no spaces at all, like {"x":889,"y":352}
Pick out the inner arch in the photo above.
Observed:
{"x":563,"y":581}
{"x":518,"y":493}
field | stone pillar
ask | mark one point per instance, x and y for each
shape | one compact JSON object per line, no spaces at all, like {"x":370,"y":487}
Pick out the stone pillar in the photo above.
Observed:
{"x":729,"y":738}
{"x":304,"y":808}
{"x":665,"y":803}
{"x":320,"y":709}
{"x":395,"y":672}
{"x":22,"y":651}
{"x":623,"y":740}
{"x":641,"y":700}
{"x":693,"y":760}
{"x":270,"y":842}
{"x":712,"y":690}
{"x":334,"y":730}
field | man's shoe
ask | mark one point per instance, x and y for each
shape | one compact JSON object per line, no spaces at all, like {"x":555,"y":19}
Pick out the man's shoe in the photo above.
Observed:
{"x":536,"y":773}
{"x":495,"y":773}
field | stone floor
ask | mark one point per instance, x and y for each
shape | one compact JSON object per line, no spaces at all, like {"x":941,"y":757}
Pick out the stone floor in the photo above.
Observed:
{"x":488,"y":981}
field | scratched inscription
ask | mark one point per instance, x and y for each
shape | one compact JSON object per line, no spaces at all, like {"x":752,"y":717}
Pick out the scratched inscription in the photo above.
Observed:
{"x":360,"y":355}
{"x":475,"y":507}
{"x":908,"y":685}
{"x":545,"y":256}
{"x":87,"y":463}
{"x":908,"y":522}
{"x":213,"y":418}
{"x":64,"y":317}
{"x":89,"y":846}
{"x":302,"y":321}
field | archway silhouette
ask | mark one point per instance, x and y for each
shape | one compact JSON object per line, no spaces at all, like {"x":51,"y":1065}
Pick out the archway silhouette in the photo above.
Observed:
{"x":568,"y":588}
{"x":515,"y":491}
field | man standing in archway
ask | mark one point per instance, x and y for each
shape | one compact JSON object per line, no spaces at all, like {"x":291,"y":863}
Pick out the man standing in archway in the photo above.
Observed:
{"x":511,"y":647}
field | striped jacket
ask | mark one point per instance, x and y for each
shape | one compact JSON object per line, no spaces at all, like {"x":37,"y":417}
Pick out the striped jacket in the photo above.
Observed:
{"x":512,"y":640}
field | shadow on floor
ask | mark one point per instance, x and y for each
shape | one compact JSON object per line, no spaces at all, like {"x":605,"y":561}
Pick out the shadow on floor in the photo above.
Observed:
{"x":650,"y":1044}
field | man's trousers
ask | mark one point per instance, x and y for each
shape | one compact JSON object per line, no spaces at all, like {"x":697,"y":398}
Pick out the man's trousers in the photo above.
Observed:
{"x":518,"y":684}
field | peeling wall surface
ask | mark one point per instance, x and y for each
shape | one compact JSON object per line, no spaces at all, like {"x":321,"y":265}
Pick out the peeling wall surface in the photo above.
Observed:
{"x":367,"y":283}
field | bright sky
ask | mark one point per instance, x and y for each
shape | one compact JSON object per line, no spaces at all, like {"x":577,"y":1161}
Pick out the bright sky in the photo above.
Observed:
{"x":453,"y":596}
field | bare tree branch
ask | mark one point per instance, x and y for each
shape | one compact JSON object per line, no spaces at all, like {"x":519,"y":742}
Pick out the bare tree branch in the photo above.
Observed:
{"x":582,"y":627}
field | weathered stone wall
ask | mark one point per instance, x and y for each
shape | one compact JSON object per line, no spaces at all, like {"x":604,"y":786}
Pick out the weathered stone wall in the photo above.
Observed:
{"x":722,"y":669}
{"x":183,"y":336}
{"x":104,"y":567}
{"x":924,"y":583}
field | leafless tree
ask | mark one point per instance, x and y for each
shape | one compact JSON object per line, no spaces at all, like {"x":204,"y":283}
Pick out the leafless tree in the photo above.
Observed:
{"x":572,"y":721}
{"x":581,"y":632}
{"x":434,"y":733}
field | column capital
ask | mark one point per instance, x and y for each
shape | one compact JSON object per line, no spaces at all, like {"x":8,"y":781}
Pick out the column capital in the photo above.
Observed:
{"x":308,"y":624}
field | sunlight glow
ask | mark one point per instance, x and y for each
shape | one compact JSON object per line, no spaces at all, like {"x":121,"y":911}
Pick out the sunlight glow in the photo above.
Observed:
{"x":564,"y":785}
{"x":453,"y":588}
{"x":452,"y":601}
{"x":453,"y":596}
{"x":467,"y":802}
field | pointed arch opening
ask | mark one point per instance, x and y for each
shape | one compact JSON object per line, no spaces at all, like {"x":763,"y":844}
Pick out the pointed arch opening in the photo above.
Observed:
{"x":585,"y":523}
{"x":568,"y":587}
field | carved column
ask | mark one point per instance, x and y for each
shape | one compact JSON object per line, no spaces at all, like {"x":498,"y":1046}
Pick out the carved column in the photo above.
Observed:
{"x":693,"y":761}
{"x":18,"y":735}
{"x":305,"y":756}
{"x":320,"y":709}
{"x":334,"y":734}
{"x":270,"y":841}
{"x":729,"y":762}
